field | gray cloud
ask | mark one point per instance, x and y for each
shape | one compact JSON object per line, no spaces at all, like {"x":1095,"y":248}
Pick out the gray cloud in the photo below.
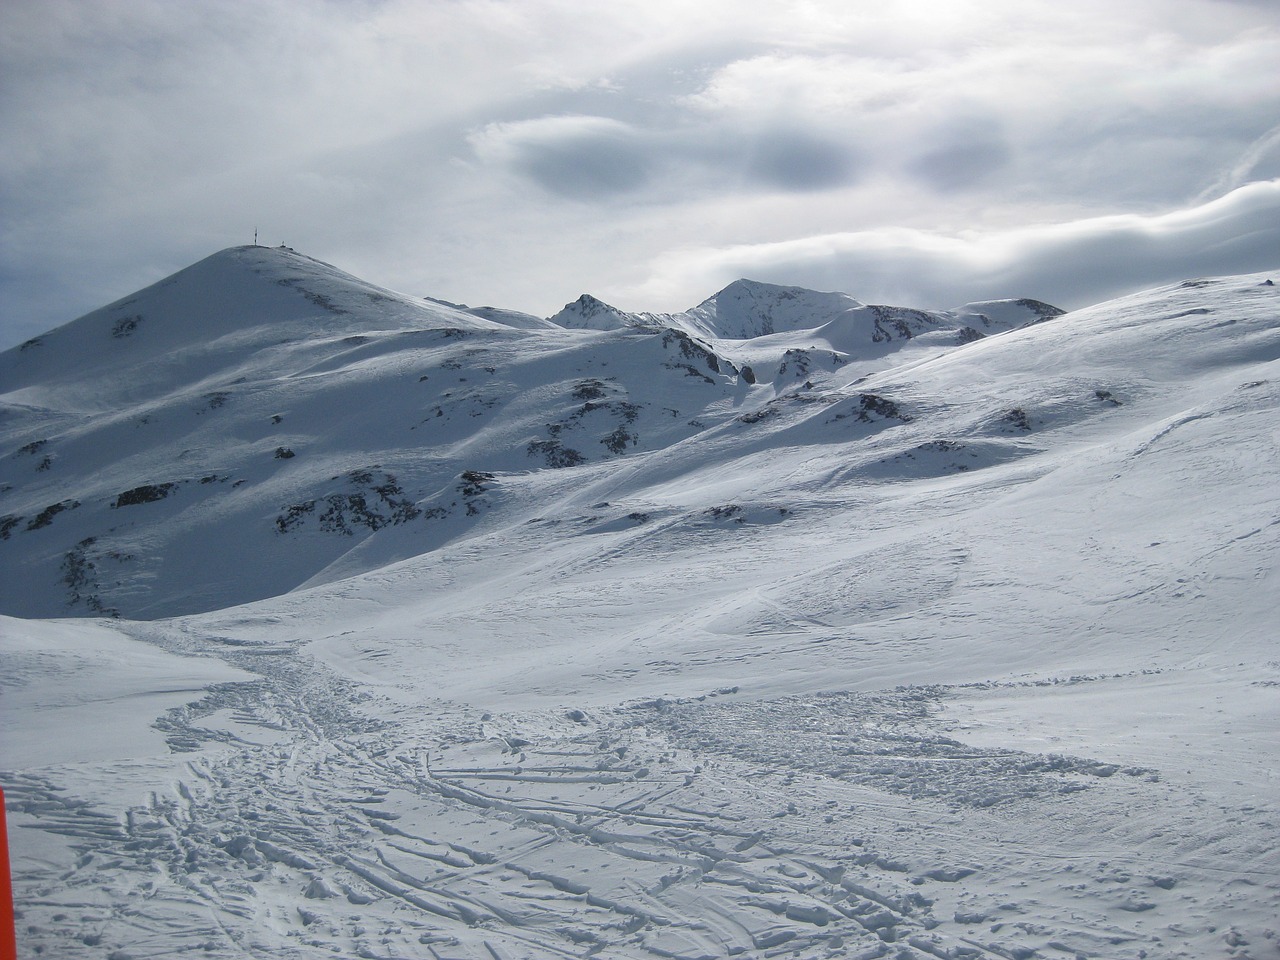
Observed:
{"x":579,"y":157}
{"x":593,"y":157}
{"x":796,"y":159}
{"x":962,"y":153}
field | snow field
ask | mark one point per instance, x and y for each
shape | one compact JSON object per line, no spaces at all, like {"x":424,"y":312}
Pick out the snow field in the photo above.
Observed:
{"x":963,"y":653}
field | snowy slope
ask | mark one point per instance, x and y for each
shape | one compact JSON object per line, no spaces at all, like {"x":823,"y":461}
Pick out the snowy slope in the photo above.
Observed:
{"x":199,"y":456}
{"x":959,"y":650}
{"x":236,"y":430}
{"x":754,"y":324}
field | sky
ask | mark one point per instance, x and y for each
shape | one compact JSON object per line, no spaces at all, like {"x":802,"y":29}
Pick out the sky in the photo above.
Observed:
{"x":518,"y":153}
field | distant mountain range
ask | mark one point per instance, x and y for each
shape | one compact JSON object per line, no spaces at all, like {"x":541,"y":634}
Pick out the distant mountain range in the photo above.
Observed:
{"x":747,"y":309}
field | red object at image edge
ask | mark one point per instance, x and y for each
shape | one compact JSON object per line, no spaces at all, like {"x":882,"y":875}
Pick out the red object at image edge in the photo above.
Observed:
{"x":8,"y":940}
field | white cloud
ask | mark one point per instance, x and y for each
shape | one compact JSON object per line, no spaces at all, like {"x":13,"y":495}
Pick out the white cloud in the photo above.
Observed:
{"x":1069,"y":264}
{"x":522,"y":152}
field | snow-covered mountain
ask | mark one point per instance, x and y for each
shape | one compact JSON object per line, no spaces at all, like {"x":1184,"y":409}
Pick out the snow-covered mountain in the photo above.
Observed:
{"x":245,"y":426}
{"x":747,"y":309}
{"x":232,"y":432}
{"x":784,"y":626}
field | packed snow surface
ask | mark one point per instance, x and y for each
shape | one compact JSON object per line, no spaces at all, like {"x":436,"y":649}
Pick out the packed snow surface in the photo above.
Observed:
{"x":336,"y":621}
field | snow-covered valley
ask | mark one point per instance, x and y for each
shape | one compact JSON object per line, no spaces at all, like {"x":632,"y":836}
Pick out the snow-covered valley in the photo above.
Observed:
{"x":340,"y":622}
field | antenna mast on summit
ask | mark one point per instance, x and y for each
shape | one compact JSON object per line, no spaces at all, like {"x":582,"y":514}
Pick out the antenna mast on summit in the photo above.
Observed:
{"x":255,"y":236}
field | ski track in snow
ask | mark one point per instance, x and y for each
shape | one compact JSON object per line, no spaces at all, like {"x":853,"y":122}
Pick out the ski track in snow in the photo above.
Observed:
{"x":838,"y":825}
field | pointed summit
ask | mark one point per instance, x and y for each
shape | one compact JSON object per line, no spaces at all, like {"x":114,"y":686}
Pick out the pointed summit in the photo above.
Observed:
{"x":589,"y":313}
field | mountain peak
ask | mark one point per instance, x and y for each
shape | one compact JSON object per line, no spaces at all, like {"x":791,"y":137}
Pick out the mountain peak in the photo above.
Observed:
{"x":591,"y":313}
{"x":239,"y":299}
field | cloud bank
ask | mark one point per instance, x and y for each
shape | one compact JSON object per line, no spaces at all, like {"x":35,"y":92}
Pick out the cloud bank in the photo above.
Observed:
{"x":1068,"y":264}
{"x":520,"y":153}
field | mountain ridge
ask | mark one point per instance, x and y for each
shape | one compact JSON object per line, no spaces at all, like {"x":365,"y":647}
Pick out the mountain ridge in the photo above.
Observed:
{"x":749,"y":309}
{"x":268,"y":393}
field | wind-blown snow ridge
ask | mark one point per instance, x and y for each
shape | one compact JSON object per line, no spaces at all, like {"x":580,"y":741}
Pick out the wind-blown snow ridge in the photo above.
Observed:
{"x":402,"y":628}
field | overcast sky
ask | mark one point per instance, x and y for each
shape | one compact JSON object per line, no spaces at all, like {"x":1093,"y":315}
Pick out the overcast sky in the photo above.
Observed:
{"x":521,"y":152}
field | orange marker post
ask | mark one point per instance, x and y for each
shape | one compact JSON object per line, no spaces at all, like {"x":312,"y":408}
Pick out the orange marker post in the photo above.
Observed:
{"x":8,"y":938}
